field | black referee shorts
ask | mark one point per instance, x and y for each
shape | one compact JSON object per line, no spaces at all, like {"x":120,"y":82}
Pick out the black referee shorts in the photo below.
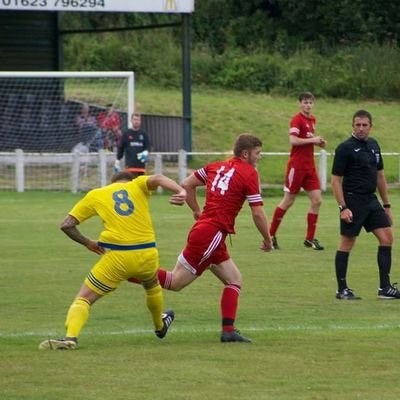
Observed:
{"x":367,"y":212}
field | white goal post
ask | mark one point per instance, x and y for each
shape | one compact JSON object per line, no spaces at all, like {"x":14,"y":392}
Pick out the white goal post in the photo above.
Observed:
{"x":55,"y":113}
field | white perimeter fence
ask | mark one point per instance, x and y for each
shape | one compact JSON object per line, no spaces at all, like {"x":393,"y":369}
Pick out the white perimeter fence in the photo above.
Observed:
{"x":78,"y":172}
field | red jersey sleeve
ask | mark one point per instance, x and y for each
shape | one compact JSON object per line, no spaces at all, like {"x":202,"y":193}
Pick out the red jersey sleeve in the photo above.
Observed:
{"x":201,"y":175}
{"x":295,"y":125}
{"x":253,"y":192}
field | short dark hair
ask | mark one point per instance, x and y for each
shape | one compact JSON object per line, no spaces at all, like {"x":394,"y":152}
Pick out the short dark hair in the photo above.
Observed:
{"x":245,"y":141}
{"x":363,"y":114}
{"x":123,"y":176}
{"x":306,"y":96}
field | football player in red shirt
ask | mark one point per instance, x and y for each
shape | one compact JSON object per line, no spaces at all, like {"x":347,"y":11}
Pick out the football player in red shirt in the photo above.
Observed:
{"x":110,"y":123}
{"x":301,"y":171}
{"x":228,"y":184}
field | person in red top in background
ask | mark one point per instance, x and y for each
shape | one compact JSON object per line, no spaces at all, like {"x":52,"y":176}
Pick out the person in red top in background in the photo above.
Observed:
{"x":301,"y":171}
{"x":228,"y":184}
{"x":110,"y":124}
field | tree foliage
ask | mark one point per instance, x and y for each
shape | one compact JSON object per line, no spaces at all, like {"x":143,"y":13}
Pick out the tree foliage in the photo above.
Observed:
{"x":219,"y":23}
{"x":250,"y":24}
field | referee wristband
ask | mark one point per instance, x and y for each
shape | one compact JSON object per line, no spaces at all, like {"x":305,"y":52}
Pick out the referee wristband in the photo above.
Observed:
{"x":387,"y":205}
{"x":342,"y":208}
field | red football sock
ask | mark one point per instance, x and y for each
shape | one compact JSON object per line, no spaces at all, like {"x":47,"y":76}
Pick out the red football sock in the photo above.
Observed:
{"x":229,"y":306}
{"x":311,"y":225}
{"x":165,"y":278}
{"x":276,"y":220}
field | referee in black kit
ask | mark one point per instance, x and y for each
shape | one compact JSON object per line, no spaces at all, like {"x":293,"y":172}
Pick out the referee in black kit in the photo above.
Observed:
{"x":357,"y":173}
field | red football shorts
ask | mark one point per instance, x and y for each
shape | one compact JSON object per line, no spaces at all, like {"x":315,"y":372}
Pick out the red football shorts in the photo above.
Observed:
{"x":205,"y":246}
{"x":296,"y":179}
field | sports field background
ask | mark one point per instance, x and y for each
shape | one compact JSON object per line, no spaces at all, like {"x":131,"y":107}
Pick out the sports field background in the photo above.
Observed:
{"x":306,"y":344}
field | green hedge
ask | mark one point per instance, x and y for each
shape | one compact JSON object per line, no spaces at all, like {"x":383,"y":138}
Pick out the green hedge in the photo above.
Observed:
{"x":349,"y":72}
{"x":353,"y":72}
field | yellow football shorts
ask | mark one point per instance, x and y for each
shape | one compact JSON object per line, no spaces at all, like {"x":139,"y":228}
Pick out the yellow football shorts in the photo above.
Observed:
{"x":116,"y":266}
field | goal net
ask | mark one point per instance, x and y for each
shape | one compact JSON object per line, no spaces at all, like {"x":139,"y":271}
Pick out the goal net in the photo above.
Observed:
{"x":57,"y":127}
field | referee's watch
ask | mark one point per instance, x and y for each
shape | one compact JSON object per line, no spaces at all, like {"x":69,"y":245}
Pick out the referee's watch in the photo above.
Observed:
{"x":342,"y":208}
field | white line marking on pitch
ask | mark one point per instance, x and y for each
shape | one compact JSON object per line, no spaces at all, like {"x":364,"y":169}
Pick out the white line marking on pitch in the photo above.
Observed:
{"x":138,"y":331}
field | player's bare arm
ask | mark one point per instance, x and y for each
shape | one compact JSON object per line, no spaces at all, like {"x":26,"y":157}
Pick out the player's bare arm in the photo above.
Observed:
{"x":261,"y":222}
{"x":382,"y":187}
{"x":317,"y":140}
{"x":383,"y":193}
{"x":179,"y":196}
{"x":337,"y":189}
{"x":190,"y":184}
{"x":69,"y":227}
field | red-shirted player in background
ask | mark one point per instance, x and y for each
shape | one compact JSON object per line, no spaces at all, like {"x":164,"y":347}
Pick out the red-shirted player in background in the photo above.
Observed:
{"x":301,"y":171}
{"x":229,"y":184}
{"x":110,"y":124}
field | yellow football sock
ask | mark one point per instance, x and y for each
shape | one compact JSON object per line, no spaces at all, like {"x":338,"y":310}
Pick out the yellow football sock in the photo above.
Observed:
{"x":155,"y":304}
{"x":77,"y":316}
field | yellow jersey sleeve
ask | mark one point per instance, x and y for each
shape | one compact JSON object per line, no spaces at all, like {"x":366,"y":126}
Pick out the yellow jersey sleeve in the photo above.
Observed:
{"x":84,"y":209}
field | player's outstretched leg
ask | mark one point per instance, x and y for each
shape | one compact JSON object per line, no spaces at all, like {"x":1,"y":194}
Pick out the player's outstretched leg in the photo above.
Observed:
{"x":167,"y":317}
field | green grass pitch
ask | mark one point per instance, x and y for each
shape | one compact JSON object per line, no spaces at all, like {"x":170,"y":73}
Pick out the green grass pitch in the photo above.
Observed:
{"x":306,"y":344}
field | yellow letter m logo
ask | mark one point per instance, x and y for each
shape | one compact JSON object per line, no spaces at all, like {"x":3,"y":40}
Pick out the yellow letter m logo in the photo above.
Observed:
{"x":170,"y":5}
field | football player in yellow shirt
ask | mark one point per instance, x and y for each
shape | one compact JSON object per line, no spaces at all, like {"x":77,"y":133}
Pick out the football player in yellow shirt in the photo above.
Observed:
{"x":127,"y":247}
